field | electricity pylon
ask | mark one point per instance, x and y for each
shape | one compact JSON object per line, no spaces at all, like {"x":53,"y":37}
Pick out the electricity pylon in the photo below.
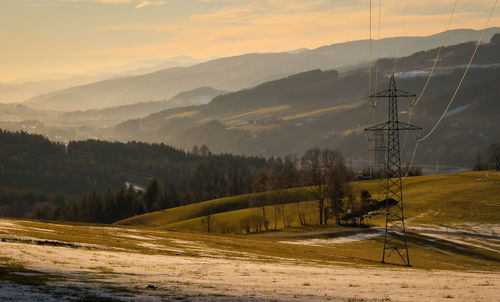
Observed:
{"x":387,"y":153}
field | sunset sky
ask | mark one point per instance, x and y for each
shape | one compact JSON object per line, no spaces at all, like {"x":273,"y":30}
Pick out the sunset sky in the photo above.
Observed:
{"x":73,"y":36}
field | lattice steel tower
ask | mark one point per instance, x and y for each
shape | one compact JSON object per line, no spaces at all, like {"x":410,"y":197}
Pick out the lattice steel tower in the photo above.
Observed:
{"x":385,"y":138}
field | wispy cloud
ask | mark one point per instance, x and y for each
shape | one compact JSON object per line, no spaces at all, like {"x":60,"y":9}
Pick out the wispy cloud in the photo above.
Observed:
{"x":101,"y":1}
{"x":142,"y":4}
{"x":275,"y":25}
{"x":137,"y":3}
{"x":38,"y":4}
{"x":155,"y":3}
{"x":205,"y":28}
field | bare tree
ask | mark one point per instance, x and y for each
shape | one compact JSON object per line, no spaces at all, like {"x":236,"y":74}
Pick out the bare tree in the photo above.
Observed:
{"x":246,"y":224}
{"x":275,"y":184}
{"x":480,"y":165}
{"x":319,"y":165}
{"x":256,"y":202}
{"x":257,"y":222}
{"x":291,"y":179}
{"x":195,"y":151}
{"x":224,"y":228}
{"x":238,"y":175}
{"x":204,"y":151}
{"x":337,"y":186}
{"x":208,"y":223}
{"x":495,"y":155}
{"x":209,"y":180}
{"x":259,"y":183}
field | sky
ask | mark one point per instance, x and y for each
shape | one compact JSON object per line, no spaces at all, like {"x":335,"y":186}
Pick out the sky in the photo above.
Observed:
{"x":75,"y":36}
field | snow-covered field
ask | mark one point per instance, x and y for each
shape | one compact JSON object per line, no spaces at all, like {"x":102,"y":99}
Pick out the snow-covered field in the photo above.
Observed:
{"x":192,"y":270}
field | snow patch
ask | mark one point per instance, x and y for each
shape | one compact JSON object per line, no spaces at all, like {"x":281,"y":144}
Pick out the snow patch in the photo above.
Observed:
{"x":335,"y":241}
{"x":456,"y":110}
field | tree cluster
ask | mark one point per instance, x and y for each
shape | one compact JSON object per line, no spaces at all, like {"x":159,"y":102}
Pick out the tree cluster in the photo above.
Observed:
{"x":53,"y":181}
{"x":494,"y":160}
{"x":34,"y":170}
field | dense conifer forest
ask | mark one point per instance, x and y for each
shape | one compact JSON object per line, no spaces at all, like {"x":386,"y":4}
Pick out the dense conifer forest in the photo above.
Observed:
{"x":39,"y":178}
{"x":90,"y":181}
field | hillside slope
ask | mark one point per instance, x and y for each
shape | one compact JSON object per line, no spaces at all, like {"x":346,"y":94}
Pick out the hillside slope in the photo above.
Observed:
{"x":328,"y":109}
{"x":467,"y":201}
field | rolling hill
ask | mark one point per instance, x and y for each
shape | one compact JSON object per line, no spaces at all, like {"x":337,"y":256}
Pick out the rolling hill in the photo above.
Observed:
{"x":468,"y":201}
{"x":114,"y":115}
{"x":452,"y":239}
{"x":75,"y":125}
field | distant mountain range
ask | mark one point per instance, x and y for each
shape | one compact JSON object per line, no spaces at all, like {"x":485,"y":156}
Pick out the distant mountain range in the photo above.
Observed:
{"x":73,"y":125}
{"x":322,"y":107}
{"x":328,"y":109}
{"x":113,"y":115}
{"x":239,"y":72}
{"x":23,"y":89}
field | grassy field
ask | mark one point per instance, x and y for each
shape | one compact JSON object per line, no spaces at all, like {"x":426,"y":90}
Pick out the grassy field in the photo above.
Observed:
{"x":164,"y":218}
{"x":166,"y":256}
{"x":321,"y":111}
{"x":460,"y":199}
{"x":53,"y":261}
{"x":428,"y":252}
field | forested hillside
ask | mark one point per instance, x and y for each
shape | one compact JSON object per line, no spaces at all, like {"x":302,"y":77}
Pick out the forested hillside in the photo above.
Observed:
{"x":34,"y":169}
{"x":328,"y":109}
{"x":86,"y":180}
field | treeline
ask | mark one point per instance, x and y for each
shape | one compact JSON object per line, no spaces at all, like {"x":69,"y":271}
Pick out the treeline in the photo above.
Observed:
{"x":319,"y":175}
{"x":30,"y":203}
{"x":494,"y":160}
{"x":33,"y":162}
{"x":47,"y":180}
{"x":53,"y":181}
{"x":36,"y":171}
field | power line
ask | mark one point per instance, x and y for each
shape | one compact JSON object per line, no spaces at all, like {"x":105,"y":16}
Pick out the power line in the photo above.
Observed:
{"x":377,"y":49}
{"x":410,"y":112}
{"x":370,"y":107}
{"x":370,"y":56}
{"x":456,"y":90}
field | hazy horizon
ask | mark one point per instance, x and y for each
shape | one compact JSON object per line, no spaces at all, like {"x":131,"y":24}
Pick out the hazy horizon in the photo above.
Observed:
{"x":76,"y":36}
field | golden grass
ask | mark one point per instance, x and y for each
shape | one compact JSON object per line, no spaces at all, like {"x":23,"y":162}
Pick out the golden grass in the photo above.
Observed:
{"x":458,"y":198}
{"x":321,"y":111}
{"x":426,"y":253}
{"x":472,"y":197}
{"x":169,"y":216}
{"x":353,"y":130}
{"x":256,"y":128}
{"x":255,"y":114}
{"x":183,"y":114}
{"x":231,"y":221}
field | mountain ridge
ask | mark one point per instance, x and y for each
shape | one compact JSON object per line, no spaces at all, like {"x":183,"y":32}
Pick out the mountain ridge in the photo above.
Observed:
{"x":237,"y":72}
{"x":327,"y":109}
